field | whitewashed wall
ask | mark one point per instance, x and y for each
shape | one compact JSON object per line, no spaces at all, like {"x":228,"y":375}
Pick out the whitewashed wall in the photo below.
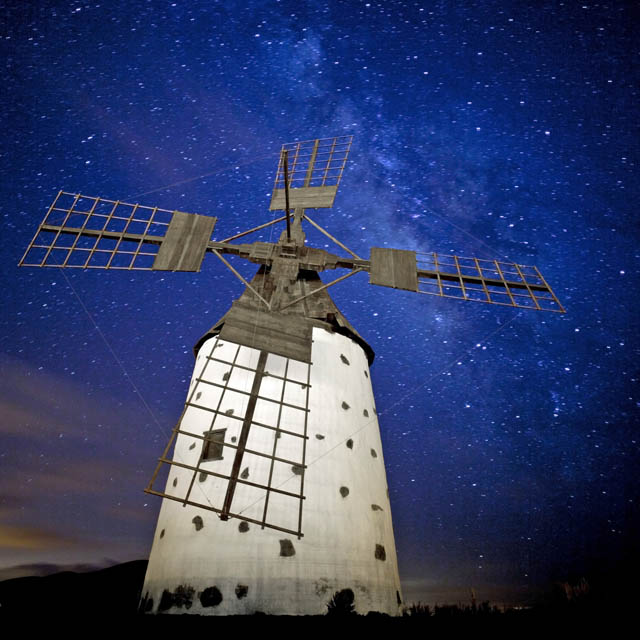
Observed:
{"x":208,"y":566}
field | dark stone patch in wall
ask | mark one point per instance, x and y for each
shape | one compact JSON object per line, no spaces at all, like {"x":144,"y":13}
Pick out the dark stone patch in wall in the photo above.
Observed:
{"x":350,"y":443}
{"x":202,"y":477}
{"x":146,"y":604}
{"x":197,"y":521}
{"x":228,"y":412}
{"x":341,"y":603}
{"x":344,"y":359}
{"x":226,"y":375}
{"x":319,"y":436}
{"x":380,"y":553}
{"x":245,"y":473}
{"x":175,"y":482}
{"x":303,"y":385}
{"x":198,"y":395}
{"x":297,"y":469}
{"x":344,"y":491}
{"x":366,"y":375}
{"x":233,"y":438}
{"x":345,"y":406}
{"x":211,"y":597}
{"x":375,"y":507}
{"x":365,"y":413}
{"x":193,"y":446}
{"x":243,"y":527}
{"x":241,"y":591}
{"x":286,"y":548}
{"x":373,"y":453}
{"x":162,"y":534}
{"x":181,"y":597}
{"x":398,"y":598}
{"x":321,"y":586}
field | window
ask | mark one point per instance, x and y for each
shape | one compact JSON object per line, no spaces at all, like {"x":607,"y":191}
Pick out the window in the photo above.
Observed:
{"x":212,"y":445}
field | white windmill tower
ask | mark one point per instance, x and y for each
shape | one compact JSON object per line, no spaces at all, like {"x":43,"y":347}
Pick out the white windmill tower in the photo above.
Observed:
{"x":276,"y":498}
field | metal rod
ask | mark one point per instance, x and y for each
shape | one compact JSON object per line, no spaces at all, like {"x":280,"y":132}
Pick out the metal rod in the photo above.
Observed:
{"x":246,"y":233}
{"x":98,"y":233}
{"x":230,"y":515}
{"x":235,"y":273}
{"x":492,"y":282}
{"x":213,"y":422}
{"x":244,"y":435}
{"x":224,"y":477}
{"x":326,"y":286}
{"x":326,"y":233}
{"x":275,"y":445}
{"x":312,"y":161}
{"x":285,"y":159}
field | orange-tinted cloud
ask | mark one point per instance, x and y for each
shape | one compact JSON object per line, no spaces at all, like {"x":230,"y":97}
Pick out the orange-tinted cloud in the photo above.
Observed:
{"x":34,"y":538}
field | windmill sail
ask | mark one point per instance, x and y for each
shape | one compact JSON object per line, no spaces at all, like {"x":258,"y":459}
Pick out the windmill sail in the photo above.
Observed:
{"x":88,"y":232}
{"x":315,"y":168}
{"x":491,"y":281}
{"x":256,"y":433}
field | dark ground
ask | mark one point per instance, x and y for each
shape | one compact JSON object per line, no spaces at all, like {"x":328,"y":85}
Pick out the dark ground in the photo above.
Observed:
{"x":111,"y":597}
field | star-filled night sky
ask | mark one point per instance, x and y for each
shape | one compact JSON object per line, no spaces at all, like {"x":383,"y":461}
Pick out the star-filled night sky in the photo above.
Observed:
{"x":500,"y":130}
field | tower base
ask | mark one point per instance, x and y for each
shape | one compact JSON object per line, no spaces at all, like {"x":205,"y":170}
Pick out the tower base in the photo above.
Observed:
{"x":304,"y":515}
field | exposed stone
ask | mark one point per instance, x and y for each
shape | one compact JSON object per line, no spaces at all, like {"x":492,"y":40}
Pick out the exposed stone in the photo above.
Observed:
{"x":319,"y":436}
{"x":211,"y":597}
{"x":198,"y":395}
{"x":181,"y":597}
{"x":344,"y":359}
{"x":243,"y":527}
{"x":375,"y":507}
{"x":202,"y":477}
{"x":175,"y":482}
{"x":365,"y":413}
{"x":245,"y":473}
{"x":321,"y":586}
{"x":342,"y":603}
{"x":286,"y":548}
{"x":228,"y":412}
{"x":193,"y":446}
{"x":380,"y":553}
{"x":146,"y":604}
{"x":225,"y":377}
{"x":197,"y":521}
{"x":345,"y":406}
{"x":350,"y":443}
{"x":344,"y":491}
{"x":297,"y":469}
{"x":241,"y":591}
{"x":162,"y":534}
{"x":373,"y":453}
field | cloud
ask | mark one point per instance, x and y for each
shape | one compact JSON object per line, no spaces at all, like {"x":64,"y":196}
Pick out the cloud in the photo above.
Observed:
{"x":35,"y":538}
{"x":72,"y":469}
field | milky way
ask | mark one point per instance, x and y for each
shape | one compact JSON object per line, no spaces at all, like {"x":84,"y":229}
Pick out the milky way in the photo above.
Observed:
{"x":497,"y":130}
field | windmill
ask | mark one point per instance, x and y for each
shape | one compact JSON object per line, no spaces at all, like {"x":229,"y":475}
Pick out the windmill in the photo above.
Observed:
{"x":276,"y":497}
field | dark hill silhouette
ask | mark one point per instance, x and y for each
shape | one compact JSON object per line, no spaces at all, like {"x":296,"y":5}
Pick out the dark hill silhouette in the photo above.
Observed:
{"x":115,"y":589}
